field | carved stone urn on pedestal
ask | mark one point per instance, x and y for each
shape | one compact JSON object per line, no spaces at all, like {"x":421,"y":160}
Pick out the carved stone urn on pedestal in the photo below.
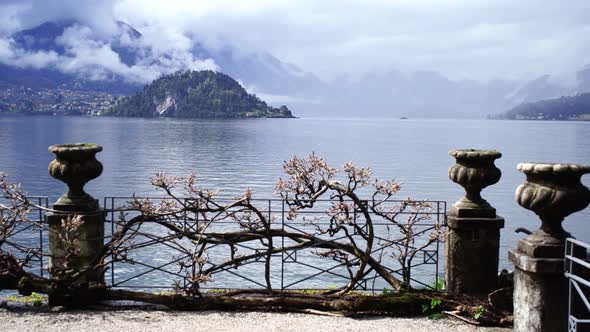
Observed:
{"x":553,"y":192}
{"x":473,"y":237}
{"x":474,"y":170}
{"x":75,"y":164}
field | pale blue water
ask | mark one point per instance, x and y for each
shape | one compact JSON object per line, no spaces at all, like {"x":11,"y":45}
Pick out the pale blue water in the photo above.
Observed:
{"x":235,"y":154}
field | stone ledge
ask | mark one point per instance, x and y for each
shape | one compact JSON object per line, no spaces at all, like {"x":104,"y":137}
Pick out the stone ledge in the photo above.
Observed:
{"x":472,"y":212}
{"x":541,"y":249}
{"x":90,"y":205}
{"x":90,"y":217}
{"x":458,"y":222}
{"x":530,"y":264}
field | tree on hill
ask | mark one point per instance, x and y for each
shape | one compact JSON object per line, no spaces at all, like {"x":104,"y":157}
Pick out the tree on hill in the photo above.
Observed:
{"x":196,"y":94}
{"x":563,"y":108}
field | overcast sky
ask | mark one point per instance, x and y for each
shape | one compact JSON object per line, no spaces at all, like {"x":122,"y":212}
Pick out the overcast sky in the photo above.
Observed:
{"x":460,"y":38}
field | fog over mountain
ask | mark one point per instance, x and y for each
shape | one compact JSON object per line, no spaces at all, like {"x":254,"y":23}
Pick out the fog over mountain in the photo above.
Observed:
{"x":380,"y":58}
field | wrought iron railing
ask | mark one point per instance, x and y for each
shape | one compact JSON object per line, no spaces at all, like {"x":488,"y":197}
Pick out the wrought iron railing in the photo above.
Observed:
{"x":154,"y":256}
{"x":28,"y":240}
{"x":577,"y":271}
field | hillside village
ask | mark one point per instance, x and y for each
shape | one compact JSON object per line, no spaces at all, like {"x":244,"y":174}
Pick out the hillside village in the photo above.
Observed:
{"x":60,"y":101}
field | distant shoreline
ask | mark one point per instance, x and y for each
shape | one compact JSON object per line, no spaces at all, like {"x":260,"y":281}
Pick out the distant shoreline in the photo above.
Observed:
{"x":49,"y":114}
{"x":545,"y":120}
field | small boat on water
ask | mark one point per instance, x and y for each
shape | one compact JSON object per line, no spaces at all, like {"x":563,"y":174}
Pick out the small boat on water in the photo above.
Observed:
{"x":403,"y":118}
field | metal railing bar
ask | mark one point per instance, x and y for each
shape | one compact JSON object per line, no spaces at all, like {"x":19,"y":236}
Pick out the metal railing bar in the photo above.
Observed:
{"x":328,"y":271}
{"x":154,"y":268}
{"x":166,"y":241}
{"x":578,"y":279}
{"x":239,"y":276}
{"x":578,"y":261}
{"x":581,"y":293}
{"x":578,"y":242}
{"x":232,"y":198}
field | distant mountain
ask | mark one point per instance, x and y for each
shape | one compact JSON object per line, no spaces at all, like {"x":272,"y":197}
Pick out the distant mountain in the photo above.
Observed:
{"x":260,"y":72}
{"x":196,"y":94}
{"x":418,"y":94}
{"x":45,"y":38}
{"x":384,"y":93}
{"x":542,"y":87}
{"x":583,"y":79}
{"x":266,"y":74}
{"x":564,"y":108}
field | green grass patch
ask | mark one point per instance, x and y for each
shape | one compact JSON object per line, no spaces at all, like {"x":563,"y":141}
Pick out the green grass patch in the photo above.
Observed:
{"x":35,"y":299}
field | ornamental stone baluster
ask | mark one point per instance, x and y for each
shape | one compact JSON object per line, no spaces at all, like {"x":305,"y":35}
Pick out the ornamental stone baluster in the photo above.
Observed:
{"x":75,"y":164}
{"x":473,"y":237}
{"x":552,"y":191}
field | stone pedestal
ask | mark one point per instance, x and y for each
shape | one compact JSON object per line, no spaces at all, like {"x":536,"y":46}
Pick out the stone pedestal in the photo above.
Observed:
{"x":472,"y":253}
{"x":90,"y":243}
{"x":540,"y":289}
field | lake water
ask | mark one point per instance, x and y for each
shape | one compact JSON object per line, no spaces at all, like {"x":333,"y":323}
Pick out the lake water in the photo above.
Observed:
{"x":235,"y":154}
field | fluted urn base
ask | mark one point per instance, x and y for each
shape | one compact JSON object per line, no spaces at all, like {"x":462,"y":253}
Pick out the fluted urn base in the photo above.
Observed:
{"x":545,"y":242}
{"x":465,"y":208}
{"x":67,"y":203}
{"x":538,"y":246}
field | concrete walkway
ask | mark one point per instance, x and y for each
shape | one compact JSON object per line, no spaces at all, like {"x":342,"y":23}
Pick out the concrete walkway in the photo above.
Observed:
{"x":143,"y":321}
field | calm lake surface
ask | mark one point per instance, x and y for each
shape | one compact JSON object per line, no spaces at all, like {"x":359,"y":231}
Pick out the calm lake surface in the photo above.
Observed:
{"x":235,"y":154}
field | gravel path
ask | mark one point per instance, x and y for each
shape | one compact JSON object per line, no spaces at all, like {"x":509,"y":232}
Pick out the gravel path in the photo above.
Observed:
{"x":143,"y":321}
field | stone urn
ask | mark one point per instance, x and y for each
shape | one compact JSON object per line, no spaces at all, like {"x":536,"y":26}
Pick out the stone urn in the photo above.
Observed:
{"x":474,"y":170}
{"x":553,"y":192}
{"x":75,"y":164}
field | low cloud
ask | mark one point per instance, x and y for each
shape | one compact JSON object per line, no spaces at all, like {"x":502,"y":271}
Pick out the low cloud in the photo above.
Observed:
{"x":277,"y":100}
{"x":462,"y":39}
{"x":97,"y":60}
{"x":91,"y":56}
{"x":14,"y":56}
